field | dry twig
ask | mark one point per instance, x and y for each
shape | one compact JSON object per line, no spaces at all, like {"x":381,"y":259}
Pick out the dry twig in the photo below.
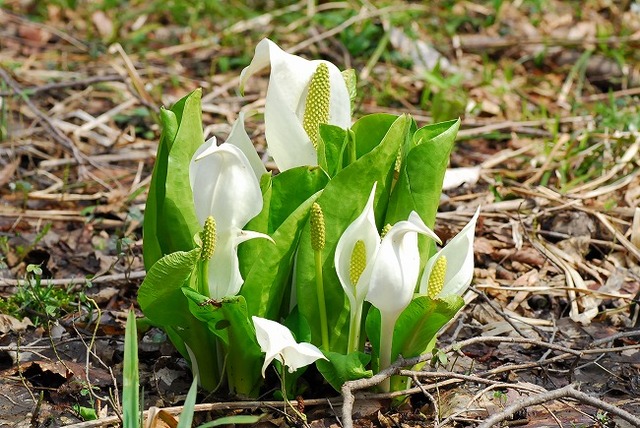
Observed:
{"x":567,"y":392}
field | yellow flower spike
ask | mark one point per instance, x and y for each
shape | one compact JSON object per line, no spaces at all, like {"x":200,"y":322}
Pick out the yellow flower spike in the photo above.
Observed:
{"x":317,"y":227}
{"x":358,"y":261}
{"x":208,"y":236}
{"x":385,"y":230}
{"x":316,"y":110}
{"x":398,"y":164}
{"x":436,"y":279}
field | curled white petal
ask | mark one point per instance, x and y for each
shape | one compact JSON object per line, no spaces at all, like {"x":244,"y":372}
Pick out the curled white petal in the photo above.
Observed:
{"x":287,"y":141}
{"x":224,"y":186}
{"x":225,"y":278}
{"x":397,"y":265}
{"x":239,"y":138}
{"x":363,"y":228}
{"x":459,"y":255}
{"x":277,"y":342}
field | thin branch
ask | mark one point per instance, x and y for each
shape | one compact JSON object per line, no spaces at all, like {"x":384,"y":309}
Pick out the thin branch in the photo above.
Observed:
{"x":57,"y":135}
{"x":6,"y":282}
{"x":567,"y":392}
{"x":67,"y":84}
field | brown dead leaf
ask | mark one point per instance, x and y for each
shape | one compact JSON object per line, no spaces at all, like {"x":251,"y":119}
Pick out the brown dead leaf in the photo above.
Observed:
{"x":103,"y":24}
{"x":11,"y":324}
{"x":37,"y":35}
{"x":6,"y":174}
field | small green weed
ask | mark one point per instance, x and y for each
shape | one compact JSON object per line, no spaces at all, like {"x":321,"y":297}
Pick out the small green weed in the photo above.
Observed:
{"x":443,"y":95}
{"x":40,"y":301}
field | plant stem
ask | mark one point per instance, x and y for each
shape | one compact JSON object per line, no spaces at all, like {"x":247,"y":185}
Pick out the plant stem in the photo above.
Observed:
{"x":322,"y":306}
{"x":354,"y":328}
{"x":203,"y":277}
{"x":283,"y":388}
{"x":387,"y":325}
{"x":352,"y":148}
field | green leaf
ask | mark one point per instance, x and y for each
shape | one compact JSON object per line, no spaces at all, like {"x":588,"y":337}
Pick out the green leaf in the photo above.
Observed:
{"x":152,"y":250}
{"x":291,"y":189}
{"x":420,"y":322}
{"x":86,"y":413}
{"x":161,"y":299}
{"x":229,"y":320}
{"x":331,"y":146}
{"x":231,"y":420}
{"x":159,"y":296}
{"x":178,"y":223}
{"x":266,"y":284}
{"x":342,"y":200}
{"x":298,"y":326}
{"x":186,"y":417}
{"x":208,"y":312}
{"x":419,"y":183}
{"x":342,"y":368}
{"x":288,"y":197}
{"x":130,"y":375}
{"x":370,"y":130}
{"x":170,"y":220}
{"x":416,"y":328}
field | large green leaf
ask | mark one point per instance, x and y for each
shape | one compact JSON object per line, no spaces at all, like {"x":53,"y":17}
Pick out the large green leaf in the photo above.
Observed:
{"x":292,"y":188}
{"x":170,"y":220}
{"x":370,"y":130}
{"x":419,"y":183}
{"x":331,"y":146}
{"x":266,"y":284}
{"x":342,"y":200}
{"x":229,"y":320}
{"x":420,"y":322}
{"x":342,"y":368}
{"x":162,"y":301}
{"x":177,"y":221}
{"x":159,"y":295}
{"x":152,"y":250}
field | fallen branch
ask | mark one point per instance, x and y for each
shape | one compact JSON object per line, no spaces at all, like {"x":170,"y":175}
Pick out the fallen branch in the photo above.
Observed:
{"x":396,"y":368}
{"x":5,"y":282}
{"x":567,"y":392}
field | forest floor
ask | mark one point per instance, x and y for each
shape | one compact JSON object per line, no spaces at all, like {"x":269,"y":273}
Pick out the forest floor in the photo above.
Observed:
{"x":548,"y":95}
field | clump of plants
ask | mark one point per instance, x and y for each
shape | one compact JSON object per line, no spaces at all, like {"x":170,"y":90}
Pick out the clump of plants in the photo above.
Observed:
{"x":247,"y":267}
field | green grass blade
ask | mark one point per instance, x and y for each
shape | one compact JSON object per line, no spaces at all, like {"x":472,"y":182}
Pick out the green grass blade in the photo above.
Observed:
{"x":186,"y":417}
{"x":236,"y":419}
{"x":130,"y":376}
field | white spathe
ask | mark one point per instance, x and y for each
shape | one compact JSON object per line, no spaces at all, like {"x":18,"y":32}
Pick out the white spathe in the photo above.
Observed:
{"x":239,"y":138}
{"x":396,"y":266}
{"x":287,"y":141}
{"x":459,"y":255}
{"x":225,"y":187}
{"x":364,"y":229}
{"x":277,"y":342}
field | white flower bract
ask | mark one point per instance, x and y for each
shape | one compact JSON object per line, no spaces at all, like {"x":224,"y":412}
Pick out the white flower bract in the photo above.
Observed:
{"x":225,"y":187}
{"x":459,"y":256}
{"x":277,"y":342}
{"x":287,"y":141}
